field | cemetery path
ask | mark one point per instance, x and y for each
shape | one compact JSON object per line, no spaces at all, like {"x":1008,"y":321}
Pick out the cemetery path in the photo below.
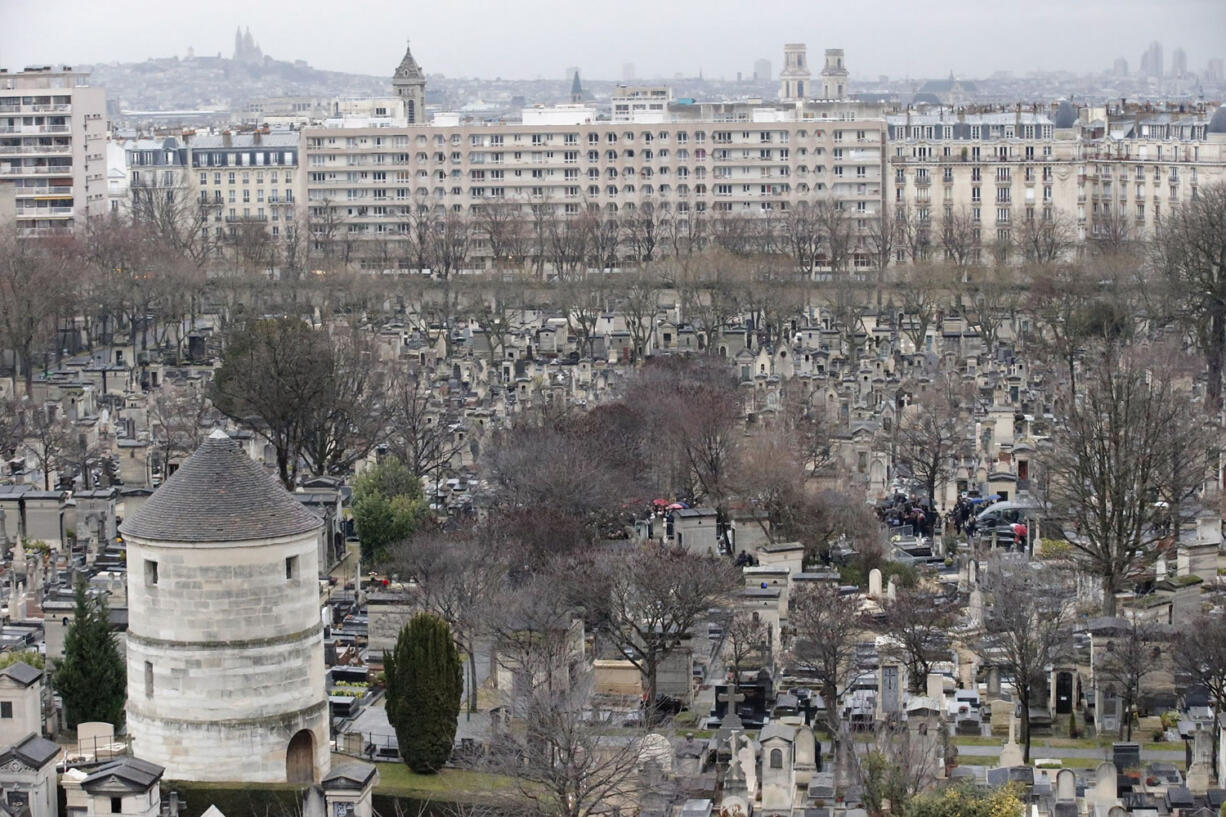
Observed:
{"x":1061,"y":752}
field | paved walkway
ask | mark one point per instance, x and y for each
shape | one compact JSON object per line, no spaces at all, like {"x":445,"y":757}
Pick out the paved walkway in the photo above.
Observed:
{"x":1168,"y":755}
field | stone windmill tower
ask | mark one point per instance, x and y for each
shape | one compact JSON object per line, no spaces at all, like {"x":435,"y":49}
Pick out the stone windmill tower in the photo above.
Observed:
{"x":224,"y":643}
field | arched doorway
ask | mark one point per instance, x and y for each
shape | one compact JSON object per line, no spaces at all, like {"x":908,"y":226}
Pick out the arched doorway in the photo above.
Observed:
{"x":300,"y":758}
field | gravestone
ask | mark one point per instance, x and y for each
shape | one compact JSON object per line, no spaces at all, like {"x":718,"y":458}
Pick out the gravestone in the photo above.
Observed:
{"x":891,"y":589}
{"x":1066,"y":785}
{"x":976,"y":609}
{"x":806,"y":751}
{"x":888,"y":685}
{"x":1011,"y":752}
{"x":874,"y":583}
{"x":1126,"y":756}
{"x":1105,"y":785}
{"x":936,"y":688}
{"x":1200,"y":774}
{"x":1002,"y":716}
{"x":993,"y":683}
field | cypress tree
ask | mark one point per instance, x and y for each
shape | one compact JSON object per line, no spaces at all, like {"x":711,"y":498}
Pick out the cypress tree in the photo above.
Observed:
{"x":424,"y":679}
{"x":91,"y":677}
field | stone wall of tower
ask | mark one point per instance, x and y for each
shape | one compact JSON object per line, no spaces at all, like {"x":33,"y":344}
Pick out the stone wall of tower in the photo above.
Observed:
{"x":794,"y":78}
{"x":413,"y":92}
{"x":225,"y":656}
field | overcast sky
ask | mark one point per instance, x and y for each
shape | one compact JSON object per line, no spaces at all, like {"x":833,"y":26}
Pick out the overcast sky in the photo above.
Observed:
{"x":531,"y":38}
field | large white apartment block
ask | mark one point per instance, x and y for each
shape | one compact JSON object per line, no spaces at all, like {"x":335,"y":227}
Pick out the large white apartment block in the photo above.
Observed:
{"x":702,"y":161}
{"x":53,"y":147}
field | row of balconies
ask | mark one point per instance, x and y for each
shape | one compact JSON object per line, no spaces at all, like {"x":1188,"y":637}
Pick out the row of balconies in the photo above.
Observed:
{"x":36,"y":170}
{"x":43,"y":108}
{"x":34,"y":129}
{"x":43,"y":212}
{"x":12,"y":150}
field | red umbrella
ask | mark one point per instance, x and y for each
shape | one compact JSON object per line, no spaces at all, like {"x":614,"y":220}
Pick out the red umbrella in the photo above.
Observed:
{"x":676,"y":506}
{"x":660,"y":503}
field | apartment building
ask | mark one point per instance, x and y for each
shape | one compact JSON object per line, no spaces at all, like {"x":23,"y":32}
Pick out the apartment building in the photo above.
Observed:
{"x":53,"y":147}
{"x":1106,"y":177}
{"x":1144,"y":164}
{"x":979,"y":176}
{"x":244,"y":177}
{"x":703,"y":160}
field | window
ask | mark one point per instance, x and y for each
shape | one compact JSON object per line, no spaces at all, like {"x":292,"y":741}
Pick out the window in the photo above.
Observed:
{"x":776,"y":758}
{"x":291,"y":567}
{"x":151,"y":573}
{"x":6,"y":709}
{"x":148,"y":679}
{"x":116,"y":805}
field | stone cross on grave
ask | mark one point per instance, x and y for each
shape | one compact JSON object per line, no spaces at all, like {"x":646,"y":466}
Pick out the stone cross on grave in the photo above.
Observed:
{"x":733,"y":697}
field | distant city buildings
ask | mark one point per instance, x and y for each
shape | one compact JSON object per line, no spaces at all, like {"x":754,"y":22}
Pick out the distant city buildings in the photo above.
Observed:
{"x":762,"y":71}
{"x":1151,"y":61}
{"x":1179,"y":63}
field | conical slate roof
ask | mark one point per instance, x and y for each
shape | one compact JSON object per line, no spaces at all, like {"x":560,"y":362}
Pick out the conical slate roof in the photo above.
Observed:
{"x":408,"y":68}
{"x":219,"y":495}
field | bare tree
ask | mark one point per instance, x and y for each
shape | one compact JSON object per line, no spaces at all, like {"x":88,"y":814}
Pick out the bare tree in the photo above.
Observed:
{"x":348,"y":416}
{"x":1108,"y":464}
{"x":1199,"y":654}
{"x":48,"y":437}
{"x":646,"y":601}
{"x":1191,"y":250}
{"x":640,"y":304}
{"x":643,"y":229}
{"x":803,"y":237}
{"x":932,"y":433}
{"x":917,"y":625}
{"x":180,"y":417}
{"x":1026,"y":625}
{"x":1112,"y":232}
{"x":1128,"y":659}
{"x":419,"y":435}
{"x":455,"y":577}
{"x":959,"y":238}
{"x":34,"y":289}
{"x":697,"y":406}
{"x":747,"y":638}
{"x":1046,"y":238}
{"x":897,"y":763}
{"x":827,"y":626}
{"x":563,"y":763}
{"x":272,"y":378}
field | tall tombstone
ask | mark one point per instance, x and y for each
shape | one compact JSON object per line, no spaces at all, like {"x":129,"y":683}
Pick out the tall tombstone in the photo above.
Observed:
{"x":806,"y":756}
{"x":891,"y":589}
{"x":1011,"y":752}
{"x":936,"y":686}
{"x":1066,"y":786}
{"x":1200,"y":774}
{"x":976,"y":609}
{"x":874,"y":583}
{"x":993,"y":683}
{"x":1105,"y":791}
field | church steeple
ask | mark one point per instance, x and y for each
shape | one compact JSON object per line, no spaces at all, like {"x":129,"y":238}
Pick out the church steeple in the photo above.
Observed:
{"x":409,"y":83}
{"x":576,"y":90}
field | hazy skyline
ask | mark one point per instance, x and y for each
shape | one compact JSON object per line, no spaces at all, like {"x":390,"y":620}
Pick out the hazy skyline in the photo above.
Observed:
{"x":532,"y":38}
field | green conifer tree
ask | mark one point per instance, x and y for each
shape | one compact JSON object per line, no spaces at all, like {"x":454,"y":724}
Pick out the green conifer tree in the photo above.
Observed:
{"x":91,"y":677}
{"x":424,"y":683}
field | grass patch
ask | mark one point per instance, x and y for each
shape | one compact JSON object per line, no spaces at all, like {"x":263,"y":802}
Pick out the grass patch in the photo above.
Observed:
{"x":977,"y":740}
{"x":399,"y":780}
